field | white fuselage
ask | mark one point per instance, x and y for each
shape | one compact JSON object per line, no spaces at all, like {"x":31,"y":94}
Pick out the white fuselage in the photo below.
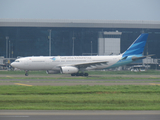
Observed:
{"x":55,"y":62}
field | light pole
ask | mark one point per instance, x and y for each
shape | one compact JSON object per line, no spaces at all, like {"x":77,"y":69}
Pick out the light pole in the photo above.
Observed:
{"x":91,"y":48}
{"x":73,"y":38}
{"x":50,"y":42}
{"x":7,"y":46}
{"x":73,"y":46}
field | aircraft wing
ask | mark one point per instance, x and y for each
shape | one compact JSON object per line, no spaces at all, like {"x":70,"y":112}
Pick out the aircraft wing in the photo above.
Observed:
{"x":88,"y":64}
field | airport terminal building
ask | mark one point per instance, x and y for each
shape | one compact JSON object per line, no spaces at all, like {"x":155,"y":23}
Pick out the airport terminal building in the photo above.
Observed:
{"x":29,"y":37}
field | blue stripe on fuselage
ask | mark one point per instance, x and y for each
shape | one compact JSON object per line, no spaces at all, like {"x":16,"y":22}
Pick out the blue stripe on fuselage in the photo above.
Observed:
{"x":126,"y":61}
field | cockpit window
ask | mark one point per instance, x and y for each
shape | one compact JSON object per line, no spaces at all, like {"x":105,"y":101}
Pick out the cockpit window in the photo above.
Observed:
{"x":16,"y":60}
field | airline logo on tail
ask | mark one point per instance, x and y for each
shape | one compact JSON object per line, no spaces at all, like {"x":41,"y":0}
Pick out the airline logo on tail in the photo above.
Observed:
{"x":134,"y":52}
{"x":137,"y":47}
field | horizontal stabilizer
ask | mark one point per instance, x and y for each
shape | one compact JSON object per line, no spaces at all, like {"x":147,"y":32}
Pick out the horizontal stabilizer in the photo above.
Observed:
{"x":137,"y":58}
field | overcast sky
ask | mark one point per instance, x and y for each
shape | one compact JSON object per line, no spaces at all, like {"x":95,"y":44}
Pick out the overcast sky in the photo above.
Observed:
{"x":81,"y":9}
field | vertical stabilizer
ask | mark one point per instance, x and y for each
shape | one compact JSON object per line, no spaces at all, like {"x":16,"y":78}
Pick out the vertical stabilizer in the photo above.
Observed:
{"x":137,"y":46}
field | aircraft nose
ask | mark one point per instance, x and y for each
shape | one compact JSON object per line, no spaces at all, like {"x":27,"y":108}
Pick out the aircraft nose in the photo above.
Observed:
{"x":13,"y":64}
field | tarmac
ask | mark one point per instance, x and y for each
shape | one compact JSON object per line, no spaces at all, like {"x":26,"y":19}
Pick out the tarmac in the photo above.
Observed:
{"x":78,"y":115}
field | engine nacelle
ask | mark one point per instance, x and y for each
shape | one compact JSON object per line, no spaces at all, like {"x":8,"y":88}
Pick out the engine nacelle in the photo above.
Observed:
{"x":69,"y":69}
{"x":52,"y":72}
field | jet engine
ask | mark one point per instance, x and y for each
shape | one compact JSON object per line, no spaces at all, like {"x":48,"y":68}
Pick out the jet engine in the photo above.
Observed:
{"x":69,"y":70}
{"x":52,"y":72}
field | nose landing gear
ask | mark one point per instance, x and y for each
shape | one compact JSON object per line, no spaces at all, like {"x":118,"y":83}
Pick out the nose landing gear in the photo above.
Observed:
{"x":26,"y":73}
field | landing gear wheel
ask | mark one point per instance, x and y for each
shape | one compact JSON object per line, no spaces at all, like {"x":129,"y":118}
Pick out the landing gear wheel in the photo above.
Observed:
{"x":81,"y":74}
{"x":73,"y":74}
{"x":26,"y":74}
{"x":77,"y":74}
{"x":85,"y":74}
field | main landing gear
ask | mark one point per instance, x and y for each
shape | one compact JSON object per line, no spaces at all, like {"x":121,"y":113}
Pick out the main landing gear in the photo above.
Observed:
{"x":26,"y":73}
{"x":79,"y":74}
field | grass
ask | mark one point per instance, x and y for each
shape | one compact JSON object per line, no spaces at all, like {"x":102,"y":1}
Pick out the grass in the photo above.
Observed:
{"x":81,"y":97}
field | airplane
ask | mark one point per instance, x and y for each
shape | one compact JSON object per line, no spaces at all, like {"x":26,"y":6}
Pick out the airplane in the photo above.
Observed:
{"x":76,"y":65}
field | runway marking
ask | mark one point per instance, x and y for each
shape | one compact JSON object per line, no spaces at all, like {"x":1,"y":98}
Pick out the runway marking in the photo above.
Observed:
{"x":22,"y":84}
{"x":8,"y":76}
{"x":152,"y":77}
{"x":153,"y":84}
